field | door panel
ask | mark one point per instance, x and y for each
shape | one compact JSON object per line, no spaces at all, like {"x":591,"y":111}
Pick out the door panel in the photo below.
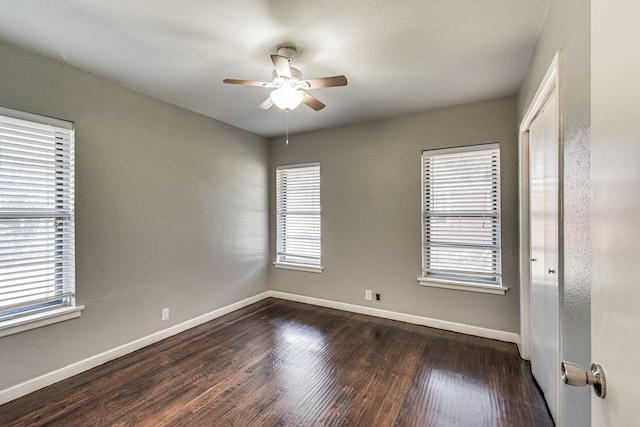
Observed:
{"x":615,"y":172}
{"x":536,"y":203}
{"x":545,"y":359}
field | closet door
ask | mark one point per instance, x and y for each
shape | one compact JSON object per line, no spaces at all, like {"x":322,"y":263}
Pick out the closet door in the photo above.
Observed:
{"x":545,"y":328}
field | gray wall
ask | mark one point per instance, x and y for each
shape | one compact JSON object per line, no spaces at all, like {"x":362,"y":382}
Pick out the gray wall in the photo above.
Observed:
{"x":567,"y":28}
{"x":171,"y":211}
{"x":371,"y":213}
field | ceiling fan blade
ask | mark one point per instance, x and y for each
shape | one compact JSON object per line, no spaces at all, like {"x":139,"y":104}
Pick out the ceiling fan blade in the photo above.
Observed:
{"x":268,"y":103}
{"x":327,"y":82}
{"x":245,"y":82}
{"x":312,"y":102}
{"x":281,"y":64}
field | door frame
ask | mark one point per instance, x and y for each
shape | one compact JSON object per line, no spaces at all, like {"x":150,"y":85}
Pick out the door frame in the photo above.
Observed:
{"x":550,"y":83}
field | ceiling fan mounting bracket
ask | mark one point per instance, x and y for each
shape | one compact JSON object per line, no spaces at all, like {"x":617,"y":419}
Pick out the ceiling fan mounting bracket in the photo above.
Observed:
{"x":288,"y":52}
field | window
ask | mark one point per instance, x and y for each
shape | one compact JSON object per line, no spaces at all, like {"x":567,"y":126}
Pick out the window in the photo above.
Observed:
{"x":298,"y":237}
{"x":37,"y":261}
{"x":461,"y":218}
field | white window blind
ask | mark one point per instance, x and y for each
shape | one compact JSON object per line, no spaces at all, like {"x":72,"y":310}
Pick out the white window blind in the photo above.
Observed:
{"x":461,"y":215}
{"x":37,"y":261}
{"x":298,"y":232}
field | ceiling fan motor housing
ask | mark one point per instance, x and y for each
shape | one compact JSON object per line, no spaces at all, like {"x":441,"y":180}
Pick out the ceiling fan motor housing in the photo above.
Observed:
{"x":296,"y":75}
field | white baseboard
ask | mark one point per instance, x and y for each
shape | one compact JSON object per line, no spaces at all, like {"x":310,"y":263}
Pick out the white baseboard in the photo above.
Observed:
{"x":408,"y":318}
{"x":45,"y":380}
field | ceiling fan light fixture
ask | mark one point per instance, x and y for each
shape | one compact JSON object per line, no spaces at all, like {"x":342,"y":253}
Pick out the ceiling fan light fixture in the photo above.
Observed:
{"x":286,"y":97}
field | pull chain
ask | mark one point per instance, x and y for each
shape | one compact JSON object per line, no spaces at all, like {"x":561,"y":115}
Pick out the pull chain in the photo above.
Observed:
{"x":286,"y":141}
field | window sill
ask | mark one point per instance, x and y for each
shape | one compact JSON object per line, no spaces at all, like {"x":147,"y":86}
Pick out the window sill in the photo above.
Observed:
{"x":298,"y":267}
{"x":38,"y":320}
{"x":460,"y":286}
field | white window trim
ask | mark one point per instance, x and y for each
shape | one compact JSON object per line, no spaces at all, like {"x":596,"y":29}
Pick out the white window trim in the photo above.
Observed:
{"x":289,"y":265}
{"x":56,"y":315}
{"x":38,"y":320}
{"x":445,"y":283}
{"x":463,"y":286}
{"x":299,"y":267}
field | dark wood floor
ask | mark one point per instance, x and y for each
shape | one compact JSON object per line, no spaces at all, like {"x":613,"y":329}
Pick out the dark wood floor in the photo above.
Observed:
{"x":280,"y":363}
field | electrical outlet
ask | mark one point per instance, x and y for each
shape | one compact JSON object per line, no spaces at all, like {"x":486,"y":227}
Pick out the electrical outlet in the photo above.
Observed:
{"x":165,"y":314}
{"x":377,"y":297}
{"x":367,"y":295}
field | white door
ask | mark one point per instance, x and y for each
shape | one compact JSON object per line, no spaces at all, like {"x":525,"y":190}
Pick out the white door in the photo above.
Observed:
{"x":536,"y":240}
{"x":615,"y":171}
{"x":543,"y":185}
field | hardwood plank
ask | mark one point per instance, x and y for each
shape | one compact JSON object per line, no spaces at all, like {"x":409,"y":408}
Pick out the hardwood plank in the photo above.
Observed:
{"x":281,"y":363}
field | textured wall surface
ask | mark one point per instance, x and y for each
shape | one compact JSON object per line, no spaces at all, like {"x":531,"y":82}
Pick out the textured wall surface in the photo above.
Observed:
{"x":171,"y":211}
{"x":567,"y":28}
{"x":371,"y":212}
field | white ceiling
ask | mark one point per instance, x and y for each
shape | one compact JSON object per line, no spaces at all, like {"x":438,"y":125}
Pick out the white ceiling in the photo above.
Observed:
{"x":400,"y":56}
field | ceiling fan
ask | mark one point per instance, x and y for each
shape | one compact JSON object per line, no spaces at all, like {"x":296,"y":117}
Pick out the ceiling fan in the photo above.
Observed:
{"x":289,"y":87}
